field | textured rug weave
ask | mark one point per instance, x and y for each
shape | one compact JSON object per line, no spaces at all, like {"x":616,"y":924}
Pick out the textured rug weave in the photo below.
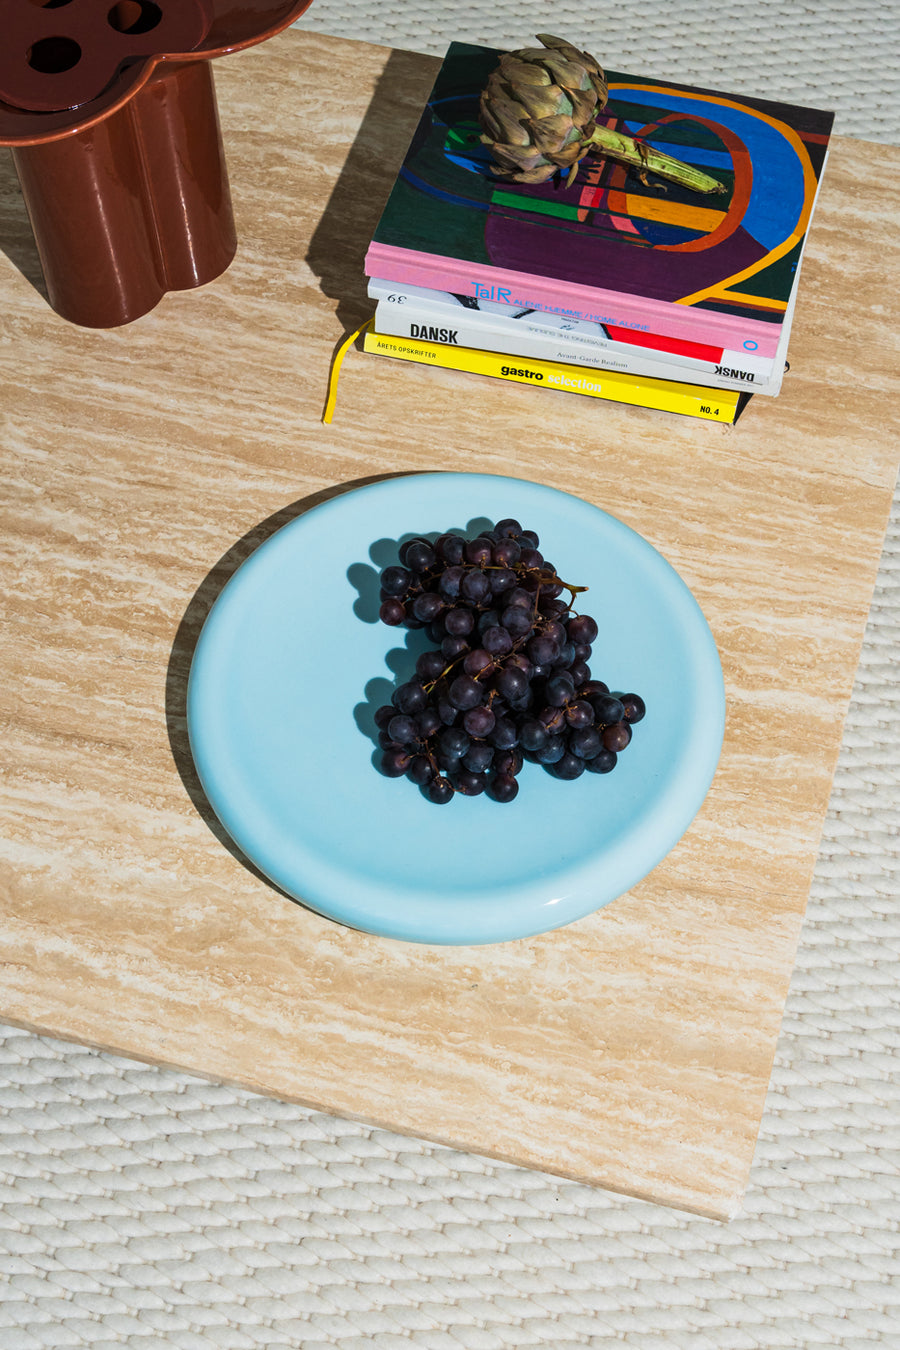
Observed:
{"x":144,"y":1208}
{"x":842,"y":57}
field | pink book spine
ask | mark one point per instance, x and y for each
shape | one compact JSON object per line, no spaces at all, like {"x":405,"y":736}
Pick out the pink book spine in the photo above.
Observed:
{"x":411,"y":268}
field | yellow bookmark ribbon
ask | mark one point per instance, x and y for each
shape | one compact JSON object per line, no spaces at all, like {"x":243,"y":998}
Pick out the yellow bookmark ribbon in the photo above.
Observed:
{"x":336,"y":364}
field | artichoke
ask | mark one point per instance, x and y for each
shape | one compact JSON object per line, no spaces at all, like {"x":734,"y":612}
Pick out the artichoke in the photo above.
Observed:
{"x":537,"y":113}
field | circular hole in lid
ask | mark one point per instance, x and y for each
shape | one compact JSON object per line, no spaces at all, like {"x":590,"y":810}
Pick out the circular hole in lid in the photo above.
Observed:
{"x":134,"y":16}
{"x":54,"y":55}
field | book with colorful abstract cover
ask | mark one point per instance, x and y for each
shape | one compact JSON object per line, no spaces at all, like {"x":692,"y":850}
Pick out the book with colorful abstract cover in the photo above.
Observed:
{"x":651,"y":257}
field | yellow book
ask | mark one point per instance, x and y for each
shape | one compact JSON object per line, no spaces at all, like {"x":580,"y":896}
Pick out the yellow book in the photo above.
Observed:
{"x":717,"y":405}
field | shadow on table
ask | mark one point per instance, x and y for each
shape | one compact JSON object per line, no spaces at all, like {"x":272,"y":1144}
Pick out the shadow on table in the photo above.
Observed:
{"x":186,"y":638}
{"x":16,"y":238}
{"x":338,"y":245}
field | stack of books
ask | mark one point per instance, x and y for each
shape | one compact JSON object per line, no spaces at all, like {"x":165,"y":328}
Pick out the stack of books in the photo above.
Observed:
{"x":641,"y":292}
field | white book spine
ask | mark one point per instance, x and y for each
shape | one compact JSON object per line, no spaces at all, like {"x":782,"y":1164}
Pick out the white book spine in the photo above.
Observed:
{"x":463,"y":328}
{"x":577,"y":332}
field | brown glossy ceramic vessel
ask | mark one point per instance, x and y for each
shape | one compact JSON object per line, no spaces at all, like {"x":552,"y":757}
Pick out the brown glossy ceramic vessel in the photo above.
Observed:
{"x":126,"y":187}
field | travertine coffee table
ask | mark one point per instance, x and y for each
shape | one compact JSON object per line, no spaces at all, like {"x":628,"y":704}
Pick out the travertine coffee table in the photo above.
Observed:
{"x":141,"y":465}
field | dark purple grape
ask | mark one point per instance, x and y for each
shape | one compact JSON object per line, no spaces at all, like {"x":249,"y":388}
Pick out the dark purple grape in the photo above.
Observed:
{"x":452,"y":647}
{"x":386,"y":741}
{"x":475,"y":587}
{"x":502,"y":579}
{"x":478,"y":757}
{"x":603,"y":762}
{"x":383,"y":715}
{"x":508,"y":528}
{"x":542,"y":650}
{"x":395,"y":763}
{"x":444,"y":708}
{"x":450,"y":548}
{"x":428,"y":721}
{"x":617,"y":736}
{"x":476,"y":661}
{"x":496,"y":640}
{"x":580,"y":672}
{"x":439,"y":790}
{"x":608,"y":709}
{"x":465,"y":693}
{"x":427,"y":606}
{"x":419,"y":556}
{"x":403,"y":729}
{"x":407,"y":544}
{"x":585,"y":742}
{"x":530,"y":557}
{"x":505,"y":734}
{"x":533,"y":734}
{"x":429,"y":665}
{"x":592,"y":688}
{"x":409,"y":697}
{"x":559,"y":689}
{"x":508,"y":761}
{"x":488,"y":618}
{"x":552,"y":751}
{"x":582,"y":628}
{"x":450,"y":581}
{"x":634,"y":707}
{"x":453,"y":743}
{"x":392,"y":613}
{"x":478,"y":550}
{"x":569,"y":766}
{"x":479,"y":722}
{"x":520,"y":661}
{"x":421,"y":770}
{"x":511,"y":682}
{"x":458,"y":622}
{"x":502,"y":787}
{"x":506,"y":554}
{"x":519,"y":596}
{"x":528,"y":537}
{"x":395,"y":580}
{"x":553,"y":720}
{"x":579,"y":714}
{"x":517,"y":621}
{"x":468,"y":782}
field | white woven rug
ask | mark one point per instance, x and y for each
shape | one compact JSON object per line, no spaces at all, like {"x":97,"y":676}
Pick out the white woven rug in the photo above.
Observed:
{"x":144,"y":1208}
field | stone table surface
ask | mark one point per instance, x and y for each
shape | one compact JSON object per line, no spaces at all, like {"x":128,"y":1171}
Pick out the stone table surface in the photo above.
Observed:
{"x":631,"y":1050}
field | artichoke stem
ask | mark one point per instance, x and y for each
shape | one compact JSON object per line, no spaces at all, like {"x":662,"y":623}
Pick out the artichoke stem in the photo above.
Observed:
{"x":614,"y":145}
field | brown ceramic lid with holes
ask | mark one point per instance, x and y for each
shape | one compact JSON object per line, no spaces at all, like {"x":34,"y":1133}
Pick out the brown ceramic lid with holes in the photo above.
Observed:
{"x":66,"y":64}
{"x":61,"y":54}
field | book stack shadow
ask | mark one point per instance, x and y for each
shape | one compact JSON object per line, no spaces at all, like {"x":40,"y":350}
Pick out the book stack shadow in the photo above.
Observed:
{"x":617,"y":285}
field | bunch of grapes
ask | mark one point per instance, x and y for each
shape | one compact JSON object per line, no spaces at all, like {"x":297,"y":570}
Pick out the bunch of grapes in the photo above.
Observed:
{"x":507,"y":679}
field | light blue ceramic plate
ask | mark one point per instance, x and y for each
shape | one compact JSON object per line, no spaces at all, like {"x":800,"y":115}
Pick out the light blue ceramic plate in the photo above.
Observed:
{"x":293,"y":661}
